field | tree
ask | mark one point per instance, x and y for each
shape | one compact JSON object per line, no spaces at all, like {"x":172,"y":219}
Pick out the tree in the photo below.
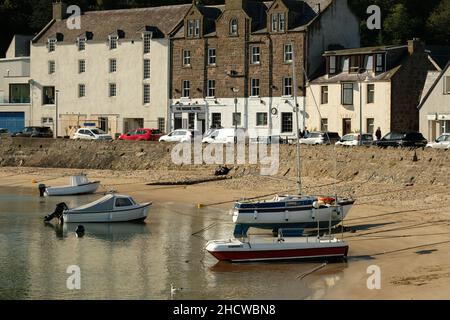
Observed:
{"x":399,"y":26}
{"x":439,"y":23}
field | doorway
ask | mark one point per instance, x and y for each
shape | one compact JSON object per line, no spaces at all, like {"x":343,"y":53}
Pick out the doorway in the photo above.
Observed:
{"x":346,"y":126}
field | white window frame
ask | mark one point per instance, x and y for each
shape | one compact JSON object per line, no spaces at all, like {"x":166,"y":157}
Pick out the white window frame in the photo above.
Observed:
{"x":287,"y":54}
{"x":113,"y":42}
{"x":212,"y":56}
{"x":186,"y":88}
{"x":47,"y":121}
{"x":112,"y":65}
{"x":81,"y":90}
{"x":190,"y":28}
{"x":81,"y":43}
{"x":186,"y":58}
{"x":51,"y":67}
{"x":51,"y":42}
{"x":211,"y":89}
{"x":274,"y":22}
{"x":265,"y":119}
{"x":162,"y":124}
{"x":81,"y":66}
{"x":256,"y":56}
{"x":234,"y":27}
{"x":147,"y":69}
{"x":146,"y":93}
{"x":146,"y":39}
{"x":112,"y":90}
{"x":255,"y":87}
{"x":287,"y":85}
{"x":281,"y":22}
{"x":196,"y":28}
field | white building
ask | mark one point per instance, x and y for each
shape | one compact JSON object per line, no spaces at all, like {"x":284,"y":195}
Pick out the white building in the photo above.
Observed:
{"x":434,"y":108}
{"x":15,"y":108}
{"x":112,"y":73}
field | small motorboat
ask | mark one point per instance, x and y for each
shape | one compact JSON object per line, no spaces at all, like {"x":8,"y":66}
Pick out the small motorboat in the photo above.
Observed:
{"x":110,"y":208}
{"x":281,"y":248}
{"x":78,"y":185}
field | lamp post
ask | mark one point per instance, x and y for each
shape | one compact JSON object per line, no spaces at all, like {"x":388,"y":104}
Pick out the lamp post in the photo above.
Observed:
{"x":56,"y":109}
{"x":361,"y":108}
{"x":235,"y":92}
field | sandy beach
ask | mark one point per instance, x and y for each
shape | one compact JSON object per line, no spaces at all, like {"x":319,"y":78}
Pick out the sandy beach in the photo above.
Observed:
{"x":402,"y":229}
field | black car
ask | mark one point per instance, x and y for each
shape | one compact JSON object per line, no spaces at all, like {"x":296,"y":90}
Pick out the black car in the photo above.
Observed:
{"x":402,"y":139}
{"x":35,"y":132}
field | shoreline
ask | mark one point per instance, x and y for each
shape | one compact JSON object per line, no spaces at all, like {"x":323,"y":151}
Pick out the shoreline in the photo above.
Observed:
{"x":403,"y":230}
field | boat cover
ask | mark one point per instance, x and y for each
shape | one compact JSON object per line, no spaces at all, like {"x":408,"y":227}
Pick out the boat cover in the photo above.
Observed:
{"x":78,"y":180}
{"x":104,"y":204}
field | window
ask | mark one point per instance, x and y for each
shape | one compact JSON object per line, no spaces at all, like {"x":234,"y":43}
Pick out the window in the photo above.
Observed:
{"x":146,"y":68}
{"x":113,"y":42}
{"x":287,"y":86}
{"x":288,"y":52}
{"x":354,"y":64}
{"x":256,"y":55}
{"x":211,"y":56}
{"x":278,"y":22}
{"x":48,"y":95}
{"x":162,"y":124}
{"x":81,"y":44}
{"x":261,"y":118}
{"x":146,"y":93}
{"x":51,"y":45}
{"x":112,"y":65}
{"x":81,"y":66}
{"x":147,"y":42}
{"x":233,"y":27}
{"x":112,"y":90}
{"x":186,"y":89}
{"x":379,"y":62}
{"x":123,"y":202}
{"x":370,"y":126}
{"x":332,"y":68}
{"x":51,"y":67}
{"x":236,"y":119}
{"x":324,"y":95}
{"x":255,"y":88}
{"x":447,"y":85}
{"x":211,"y":88}
{"x":370,"y":93}
{"x":286,"y":122}
{"x":47,"y":121}
{"x":216,"y":120}
{"x":197,"y":28}
{"x":186,"y":58}
{"x":368,"y":63}
{"x":345,"y":64}
{"x":324,"y":125}
{"x":81,"y":90}
{"x":19,"y":93}
{"x":347,"y":93}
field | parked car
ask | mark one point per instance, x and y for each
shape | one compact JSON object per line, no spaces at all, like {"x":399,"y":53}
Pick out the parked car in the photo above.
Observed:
{"x":4,"y":131}
{"x":180,"y":135}
{"x":443,"y":142}
{"x":220,"y":136}
{"x":91,"y":134}
{"x":402,"y":139}
{"x":316,"y":138}
{"x":353,"y":139}
{"x":35,"y":132}
{"x":142,"y":135}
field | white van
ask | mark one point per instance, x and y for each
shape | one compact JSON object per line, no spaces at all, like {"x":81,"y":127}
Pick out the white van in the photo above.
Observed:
{"x":220,"y":136}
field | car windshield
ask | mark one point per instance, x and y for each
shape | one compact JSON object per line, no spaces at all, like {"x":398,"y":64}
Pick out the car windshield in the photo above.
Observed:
{"x":394,"y":136}
{"x":97,"y":131}
{"x":314,"y":135}
{"x":43,"y":130}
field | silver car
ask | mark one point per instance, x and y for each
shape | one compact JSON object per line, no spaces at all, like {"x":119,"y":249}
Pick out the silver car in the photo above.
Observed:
{"x":443,"y":142}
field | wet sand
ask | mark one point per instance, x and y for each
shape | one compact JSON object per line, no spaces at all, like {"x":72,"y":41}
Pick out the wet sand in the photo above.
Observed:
{"x":404,"y":230}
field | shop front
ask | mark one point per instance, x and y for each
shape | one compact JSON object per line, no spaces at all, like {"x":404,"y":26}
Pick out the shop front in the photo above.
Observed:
{"x":189,"y":117}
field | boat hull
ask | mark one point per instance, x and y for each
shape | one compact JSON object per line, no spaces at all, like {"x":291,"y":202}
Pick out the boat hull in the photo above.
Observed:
{"x":280,"y":253}
{"x":137,"y":214}
{"x":72,"y":190}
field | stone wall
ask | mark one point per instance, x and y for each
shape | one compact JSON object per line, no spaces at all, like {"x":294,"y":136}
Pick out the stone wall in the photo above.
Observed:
{"x":361,"y":164}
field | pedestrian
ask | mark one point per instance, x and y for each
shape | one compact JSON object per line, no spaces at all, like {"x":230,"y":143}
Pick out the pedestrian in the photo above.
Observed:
{"x":378,"y":133}
{"x":306,"y":133}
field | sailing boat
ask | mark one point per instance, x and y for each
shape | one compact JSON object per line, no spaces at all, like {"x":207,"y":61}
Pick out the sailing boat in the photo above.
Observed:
{"x":293,"y":211}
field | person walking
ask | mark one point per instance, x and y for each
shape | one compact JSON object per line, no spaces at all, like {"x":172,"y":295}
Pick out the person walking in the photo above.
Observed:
{"x":378,"y":133}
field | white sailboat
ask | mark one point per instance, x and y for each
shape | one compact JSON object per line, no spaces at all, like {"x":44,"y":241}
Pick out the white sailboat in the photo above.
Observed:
{"x":293,"y":211}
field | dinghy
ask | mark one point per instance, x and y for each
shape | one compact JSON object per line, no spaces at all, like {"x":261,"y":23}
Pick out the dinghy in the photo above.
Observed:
{"x":110,"y":208}
{"x":78,"y":185}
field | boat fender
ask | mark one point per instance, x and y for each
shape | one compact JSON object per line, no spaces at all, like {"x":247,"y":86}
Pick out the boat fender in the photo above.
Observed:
{"x":80,"y":231}
{"x":316,"y":205}
{"x":41,"y":188}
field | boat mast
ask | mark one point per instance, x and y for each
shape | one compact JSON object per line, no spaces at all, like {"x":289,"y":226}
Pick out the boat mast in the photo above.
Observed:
{"x":297,"y":129}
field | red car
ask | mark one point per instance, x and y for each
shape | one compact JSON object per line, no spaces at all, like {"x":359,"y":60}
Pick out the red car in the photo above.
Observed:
{"x":142,"y":135}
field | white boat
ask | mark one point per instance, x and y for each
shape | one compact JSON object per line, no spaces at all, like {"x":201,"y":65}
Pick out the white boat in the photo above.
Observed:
{"x":78,"y":185}
{"x":281,"y":248}
{"x":110,"y":208}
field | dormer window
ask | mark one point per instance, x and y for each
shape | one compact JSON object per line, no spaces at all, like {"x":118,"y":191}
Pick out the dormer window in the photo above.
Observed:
{"x":379,"y":62}
{"x":147,"y":37}
{"x":354,"y":64}
{"x":113,"y":40}
{"x":233,"y":27}
{"x":197,"y":28}
{"x":332,"y":65}
{"x":278,"y":22}
{"x":51,"y":44}
{"x":81,"y":44}
{"x":193,"y":28}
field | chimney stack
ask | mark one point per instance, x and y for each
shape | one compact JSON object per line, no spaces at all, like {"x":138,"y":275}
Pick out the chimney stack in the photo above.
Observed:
{"x":235,"y":4}
{"x":415,"y":46}
{"x":59,"y":10}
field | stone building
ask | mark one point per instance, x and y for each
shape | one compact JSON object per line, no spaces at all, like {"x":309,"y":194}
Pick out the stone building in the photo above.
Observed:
{"x":233,"y":63}
{"x":362,"y":89}
{"x":111,"y":73}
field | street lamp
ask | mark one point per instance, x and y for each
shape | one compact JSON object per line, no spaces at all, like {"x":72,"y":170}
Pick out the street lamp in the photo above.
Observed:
{"x":56,"y":109}
{"x":235,"y":92}
{"x":360,"y":108}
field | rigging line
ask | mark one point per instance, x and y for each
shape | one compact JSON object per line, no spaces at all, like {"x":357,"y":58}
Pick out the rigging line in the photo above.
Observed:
{"x":304,"y":275}
{"x":395,"y":212}
{"x":411,"y":248}
{"x":372,"y":238}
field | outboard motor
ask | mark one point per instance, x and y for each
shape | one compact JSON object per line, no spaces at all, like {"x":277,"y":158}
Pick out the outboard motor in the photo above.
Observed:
{"x":58,"y":213}
{"x":42,"y":188}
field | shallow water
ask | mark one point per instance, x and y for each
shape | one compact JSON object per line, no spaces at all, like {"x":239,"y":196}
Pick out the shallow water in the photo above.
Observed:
{"x":134,"y":261}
